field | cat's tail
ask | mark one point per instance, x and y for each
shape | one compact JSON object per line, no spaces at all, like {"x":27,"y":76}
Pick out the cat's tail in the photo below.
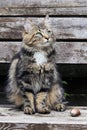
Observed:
{"x":13,"y":92}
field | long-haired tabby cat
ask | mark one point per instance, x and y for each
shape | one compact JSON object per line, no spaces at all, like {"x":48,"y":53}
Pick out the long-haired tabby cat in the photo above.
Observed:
{"x":34,"y":82}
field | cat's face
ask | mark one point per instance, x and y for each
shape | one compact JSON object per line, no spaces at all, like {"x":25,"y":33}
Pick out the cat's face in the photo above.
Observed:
{"x":38,"y":36}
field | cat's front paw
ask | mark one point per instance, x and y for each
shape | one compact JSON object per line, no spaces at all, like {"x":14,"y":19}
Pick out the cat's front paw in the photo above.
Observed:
{"x":28,"y":110}
{"x":49,"y":66}
{"x":36,"y":68}
{"x":59,"y":107}
{"x":44,"y":110}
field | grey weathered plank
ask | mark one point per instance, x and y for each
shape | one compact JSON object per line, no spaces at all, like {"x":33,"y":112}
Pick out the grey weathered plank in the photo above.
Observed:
{"x":13,"y":119}
{"x":53,"y":7}
{"x":7,"y":50}
{"x":45,"y":3}
{"x":71,"y":52}
{"x":64,"y":11}
{"x":67,"y":52}
{"x":64,"y":28}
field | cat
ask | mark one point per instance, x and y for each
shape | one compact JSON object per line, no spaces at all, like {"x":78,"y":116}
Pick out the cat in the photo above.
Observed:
{"x":34,"y":81}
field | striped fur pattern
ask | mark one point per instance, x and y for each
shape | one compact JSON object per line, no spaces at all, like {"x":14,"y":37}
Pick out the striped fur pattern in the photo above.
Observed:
{"x":34,"y":81}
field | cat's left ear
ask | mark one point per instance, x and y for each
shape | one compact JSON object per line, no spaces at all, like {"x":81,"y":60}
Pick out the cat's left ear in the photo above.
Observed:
{"x":47,"y":21}
{"x":27,"y":26}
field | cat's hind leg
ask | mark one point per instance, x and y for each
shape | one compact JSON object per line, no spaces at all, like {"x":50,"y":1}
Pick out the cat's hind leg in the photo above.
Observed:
{"x":17,"y":99}
{"x":56,"y":96}
{"x":59,"y":107}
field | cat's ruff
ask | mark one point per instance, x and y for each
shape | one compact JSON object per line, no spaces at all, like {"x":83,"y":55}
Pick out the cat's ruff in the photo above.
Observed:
{"x":40,"y":58}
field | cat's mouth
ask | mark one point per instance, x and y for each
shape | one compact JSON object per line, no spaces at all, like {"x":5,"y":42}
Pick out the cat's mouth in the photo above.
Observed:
{"x":44,"y":44}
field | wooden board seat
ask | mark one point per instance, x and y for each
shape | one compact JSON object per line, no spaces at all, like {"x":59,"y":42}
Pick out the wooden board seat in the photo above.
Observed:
{"x":13,"y":119}
{"x":68,"y":19}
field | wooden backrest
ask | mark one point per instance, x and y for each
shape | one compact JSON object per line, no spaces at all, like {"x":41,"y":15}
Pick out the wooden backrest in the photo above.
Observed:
{"x":68,"y":20}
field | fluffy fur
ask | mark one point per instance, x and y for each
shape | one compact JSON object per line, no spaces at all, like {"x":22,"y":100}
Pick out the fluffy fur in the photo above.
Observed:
{"x":34,"y":81}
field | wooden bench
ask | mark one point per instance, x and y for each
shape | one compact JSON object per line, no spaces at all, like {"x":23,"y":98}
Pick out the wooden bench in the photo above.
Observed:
{"x":69,"y":23}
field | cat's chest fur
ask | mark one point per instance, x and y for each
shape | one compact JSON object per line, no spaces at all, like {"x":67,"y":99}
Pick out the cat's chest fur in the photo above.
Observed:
{"x":40,"y":58}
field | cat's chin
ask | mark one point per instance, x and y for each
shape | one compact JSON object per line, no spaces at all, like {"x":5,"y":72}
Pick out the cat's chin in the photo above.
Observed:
{"x":45,"y":44}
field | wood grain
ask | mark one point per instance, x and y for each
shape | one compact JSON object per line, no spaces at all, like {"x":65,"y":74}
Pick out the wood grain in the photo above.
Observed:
{"x":67,"y":52}
{"x":63,"y":28}
{"x":7,"y":50}
{"x":45,"y":3}
{"x":22,"y":126}
{"x":71,"y":52}
{"x":10,"y":118}
{"x":53,"y":7}
{"x":38,"y":11}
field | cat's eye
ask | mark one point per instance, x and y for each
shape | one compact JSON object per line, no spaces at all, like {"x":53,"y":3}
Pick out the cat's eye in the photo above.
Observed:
{"x":38,"y":34}
{"x":49,"y":32}
{"x":26,"y":32}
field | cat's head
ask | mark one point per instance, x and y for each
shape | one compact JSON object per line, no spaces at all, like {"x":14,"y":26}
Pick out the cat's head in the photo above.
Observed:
{"x":38,"y":35}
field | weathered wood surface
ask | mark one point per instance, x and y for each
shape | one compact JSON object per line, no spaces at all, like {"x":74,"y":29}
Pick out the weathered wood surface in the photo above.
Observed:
{"x":13,"y":119}
{"x":45,"y":3}
{"x":53,"y":7}
{"x":63,"y":28}
{"x":7,"y":50}
{"x":67,"y":52}
{"x":22,"y":126}
{"x":71,"y":52}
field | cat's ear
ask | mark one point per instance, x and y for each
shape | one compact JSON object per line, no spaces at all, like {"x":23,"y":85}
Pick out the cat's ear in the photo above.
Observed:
{"x":47,"y":21}
{"x":28,"y":25}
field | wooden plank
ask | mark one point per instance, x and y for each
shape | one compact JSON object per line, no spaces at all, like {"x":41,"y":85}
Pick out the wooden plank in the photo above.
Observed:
{"x":67,"y":52}
{"x":71,"y":52}
{"x":3,"y":98}
{"x":10,"y":118}
{"x":75,"y":90}
{"x":73,"y":70}
{"x":22,"y":126}
{"x":33,"y":7}
{"x":68,"y":70}
{"x":38,"y":11}
{"x":72,"y":99}
{"x":7,"y":50}
{"x":45,"y":3}
{"x":64,"y":28}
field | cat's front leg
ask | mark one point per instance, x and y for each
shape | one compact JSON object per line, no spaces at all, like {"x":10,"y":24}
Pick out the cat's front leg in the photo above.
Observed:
{"x":28,"y":97}
{"x":49,"y":66}
{"x":29,"y":103}
{"x":34,"y":68}
{"x":41,"y":103}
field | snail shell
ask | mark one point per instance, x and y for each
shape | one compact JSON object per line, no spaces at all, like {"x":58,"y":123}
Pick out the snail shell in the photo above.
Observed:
{"x":75,"y":112}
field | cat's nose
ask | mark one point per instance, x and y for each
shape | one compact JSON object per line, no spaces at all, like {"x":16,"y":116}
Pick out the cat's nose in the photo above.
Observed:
{"x":47,"y":38}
